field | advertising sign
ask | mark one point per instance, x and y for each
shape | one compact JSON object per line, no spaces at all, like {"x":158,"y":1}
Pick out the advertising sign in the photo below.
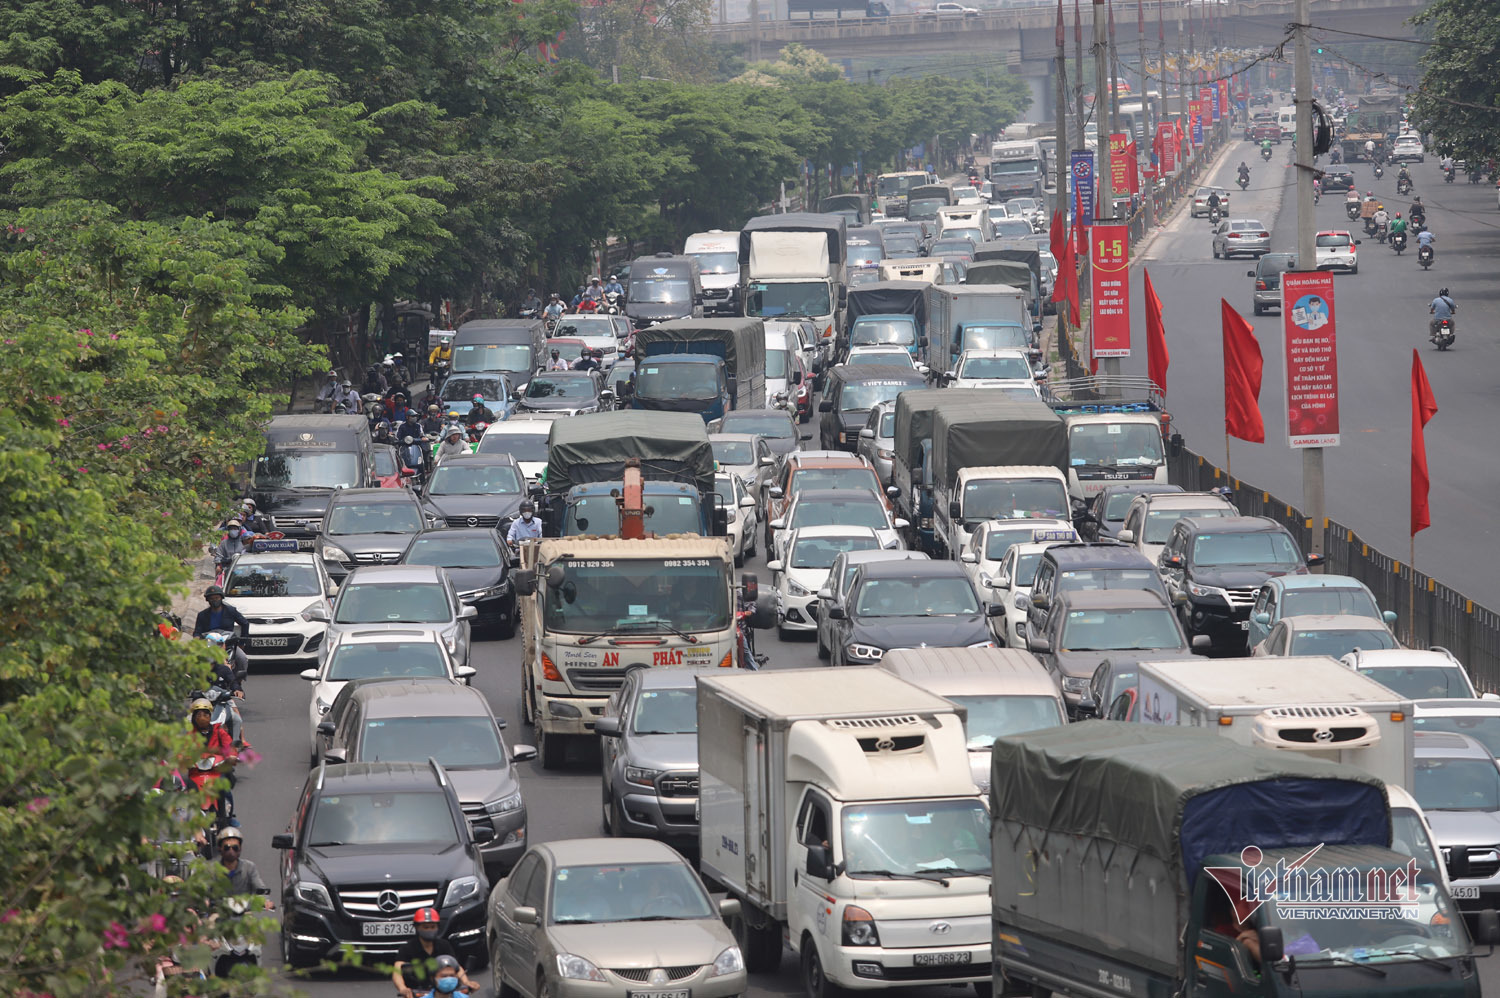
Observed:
{"x":1310,"y":349}
{"x":1119,"y":167}
{"x":1224,"y":104}
{"x":1166,"y":147}
{"x":1206,"y":97}
{"x":1082,"y":164}
{"x":1109,"y":247}
{"x":1195,"y":112}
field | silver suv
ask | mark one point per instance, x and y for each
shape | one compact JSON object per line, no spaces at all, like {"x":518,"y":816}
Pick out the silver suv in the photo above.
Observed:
{"x":650,"y":754}
{"x":1458,"y":786}
{"x":399,"y":598}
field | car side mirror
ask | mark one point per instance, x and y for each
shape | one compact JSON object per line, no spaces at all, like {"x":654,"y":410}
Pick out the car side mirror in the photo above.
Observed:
{"x":525,"y":580}
{"x":1172,"y":561}
{"x":1249,"y":273}
{"x":522,"y":753}
{"x":894,"y":491}
{"x":465,"y":672}
{"x":747,"y":502}
{"x":325,"y":728}
{"x":729,"y":907}
{"x":311,"y":675}
{"x":954,"y":509}
{"x":901,"y":523}
{"x":524,"y":915}
{"x":995,"y":610}
{"x":1358,"y":241}
{"x":825,"y":406}
{"x":1272,"y":947}
{"x":867,"y":434}
{"x":281,"y":840}
{"x":969,"y":558}
{"x":1487,"y":928}
{"x":336,"y":755}
{"x":1315,"y":560}
{"x":1126,"y":536}
{"x":836,"y":613}
{"x":1262,"y":618}
{"x":609,"y":727}
{"x":1389,"y":616}
{"x":1201,"y":642}
{"x":825,"y":594}
{"x":776,"y":491}
{"x":315,"y":613}
{"x":778,"y":523}
{"x":1039,"y":646}
{"x":468,"y":612}
{"x":482,"y":834}
{"x":818,"y":863}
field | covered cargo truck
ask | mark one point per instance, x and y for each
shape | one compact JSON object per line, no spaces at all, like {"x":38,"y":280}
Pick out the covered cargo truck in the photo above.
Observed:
{"x":1118,"y":848}
{"x":706,"y":366}
{"x":887,"y":312}
{"x":977,"y":317}
{"x":793,"y":266}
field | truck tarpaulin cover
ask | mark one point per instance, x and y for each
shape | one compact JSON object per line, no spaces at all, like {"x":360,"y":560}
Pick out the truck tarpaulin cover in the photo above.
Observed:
{"x":890,"y":298}
{"x":931,"y":192}
{"x":1013,"y":431}
{"x":916,"y":410}
{"x":1016,"y":273}
{"x":1018,"y":250}
{"x":833,"y":227}
{"x":672,"y":446}
{"x":1099,"y":826}
{"x":740,"y":342}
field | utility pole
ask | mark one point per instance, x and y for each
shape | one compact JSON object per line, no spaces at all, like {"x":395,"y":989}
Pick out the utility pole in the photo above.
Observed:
{"x":1064,"y":160}
{"x":1104,"y":204}
{"x":755,"y":30}
{"x":1147,"y":129}
{"x":1114,"y":78}
{"x":1307,"y":228}
{"x":1078,"y":75}
{"x":1181,"y":56}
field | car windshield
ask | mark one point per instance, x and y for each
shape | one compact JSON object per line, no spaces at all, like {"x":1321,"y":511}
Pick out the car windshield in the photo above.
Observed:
{"x":1113,"y":445}
{"x":1159,"y":522}
{"x":852,"y":512}
{"x":582,"y":325}
{"x":1457,"y":785}
{"x":864,"y":397}
{"x":834,"y":478}
{"x":666,"y":712}
{"x":384,"y":660}
{"x":661,"y":290}
{"x":913,"y":838}
{"x":373,"y":518}
{"x":599,"y":515}
{"x":1356,"y":602}
{"x":872,"y":332}
{"x":724,"y":486}
{"x":1339,"y":643}
{"x":898,"y":183}
{"x":1012,"y":227}
{"x":1119,"y":630}
{"x":973,"y":235}
{"x":569,"y":350}
{"x":925,"y":208}
{"x":1010,"y":368}
{"x":733,"y":452}
{"x":383,"y":460}
{"x":459,"y":391}
{"x":1261,"y":547}
{"x":791,"y":298}
{"x":863,"y":256}
{"x":1426,"y":682}
{"x":392,"y":602}
{"x":1025,"y":570}
{"x":819,"y":552}
{"x":521,"y":446}
{"x":1483,"y":728}
{"x":1001,"y":538}
{"x":455,"y":742}
{"x":410,"y":817}
{"x":492,"y":357}
{"x":453,"y":552}
{"x":647,"y":595}
{"x":549,"y":387}
{"x":627,"y":893}
{"x":1003,"y":499}
{"x":776,"y":364}
{"x":254,"y":578}
{"x":923,"y":597}
{"x":307,"y":470}
{"x":995,"y":338}
{"x":474,"y":480}
{"x":683,"y":380}
{"x":902,"y":245}
{"x":779,"y":427}
{"x":727,"y":262}
{"x":864,"y":356}
{"x":991,"y":717}
{"x":1020,"y":204}
{"x":1410,"y":838}
{"x":1118,"y":504}
{"x":887,"y":428}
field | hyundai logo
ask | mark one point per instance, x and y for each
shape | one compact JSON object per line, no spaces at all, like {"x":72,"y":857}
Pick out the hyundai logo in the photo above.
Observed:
{"x":940,"y":928}
{"x":388,"y":902}
{"x":1323,"y":735}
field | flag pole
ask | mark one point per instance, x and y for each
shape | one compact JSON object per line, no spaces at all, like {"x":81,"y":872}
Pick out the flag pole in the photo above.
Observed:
{"x":1411,"y":593}
{"x":1228,"y":463}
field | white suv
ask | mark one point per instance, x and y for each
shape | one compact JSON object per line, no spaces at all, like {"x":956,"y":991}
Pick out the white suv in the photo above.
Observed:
{"x":1336,"y":251}
{"x":1408,"y":148}
{"x":1433,"y":674}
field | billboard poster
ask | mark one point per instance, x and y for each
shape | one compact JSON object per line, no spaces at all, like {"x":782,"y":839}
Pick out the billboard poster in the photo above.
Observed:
{"x":1224,"y":105}
{"x":1310,"y":352}
{"x":1206,"y":98}
{"x":1119,"y":168}
{"x":1195,"y":113}
{"x":1082,"y":165}
{"x":1109,"y":248}
{"x":1166,"y":147}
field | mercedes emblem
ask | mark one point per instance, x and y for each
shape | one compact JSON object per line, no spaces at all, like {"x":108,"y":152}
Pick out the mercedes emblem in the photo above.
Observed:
{"x":388,"y":902}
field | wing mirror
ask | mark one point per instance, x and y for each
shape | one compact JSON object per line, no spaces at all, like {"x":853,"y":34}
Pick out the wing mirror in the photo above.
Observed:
{"x":524,"y":915}
{"x":609,"y":727}
{"x":522,"y":753}
{"x":818,"y":863}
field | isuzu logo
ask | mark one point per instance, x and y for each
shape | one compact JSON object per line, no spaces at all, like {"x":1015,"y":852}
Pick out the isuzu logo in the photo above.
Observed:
{"x":388,"y":902}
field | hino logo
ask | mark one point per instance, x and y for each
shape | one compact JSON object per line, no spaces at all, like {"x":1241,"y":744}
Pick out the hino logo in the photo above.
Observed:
{"x":388,"y":902}
{"x":940,"y":928}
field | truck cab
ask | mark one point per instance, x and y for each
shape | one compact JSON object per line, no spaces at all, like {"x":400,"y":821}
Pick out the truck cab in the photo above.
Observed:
{"x":671,"y":508}
{"x":1117,"y":432}
{"x":998,"y":492}
{"x":687,"y":382}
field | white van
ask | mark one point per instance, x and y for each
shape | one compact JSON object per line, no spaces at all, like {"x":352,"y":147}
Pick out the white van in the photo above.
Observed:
{"x":1287,"y":119}
{"x":783,"y":362}
{"x":717,"y":253}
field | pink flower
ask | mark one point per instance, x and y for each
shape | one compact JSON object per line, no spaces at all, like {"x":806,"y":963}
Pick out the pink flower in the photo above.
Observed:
{"x":116,"y":936}
{"x":63,"y":422}
{"x":156,"y":923}
{"x":87,"y":332}
{"x":83,"y":469}
{"x":10,"y":914}
{"x":197,"y":461}
{"x":54,"y":399}
{"x":114,"y":336}
{"x":37,"y":803}
{"x":103,"y":446}
{"x":125,"y":444}
{"x":249,"y":756}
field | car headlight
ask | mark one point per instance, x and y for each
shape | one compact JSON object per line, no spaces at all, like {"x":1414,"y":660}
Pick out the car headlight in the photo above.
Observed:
{"x":335,"y":553}
{"x":323,"y":706}
{"x":314,"y":894}
{"x":793,"y":589}
{"x":1198,"y":590}
{"x":461,"y":889}
{"x":1075,"y":684}
{"x":866,"y":651}
{"x":885,"y":455}
{"x":640,"y":777}
{"x":509,"y":802}
{"x":859,"y":927}
{"x":576,"y":968}
{"x":729,"y":962}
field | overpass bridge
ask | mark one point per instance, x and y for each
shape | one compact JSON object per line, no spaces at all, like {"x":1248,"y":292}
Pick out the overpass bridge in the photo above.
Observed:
{"x":1024,"y":38}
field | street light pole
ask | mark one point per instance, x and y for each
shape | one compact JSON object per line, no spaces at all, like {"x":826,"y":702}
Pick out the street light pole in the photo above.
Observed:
{"x":1313,"y":499}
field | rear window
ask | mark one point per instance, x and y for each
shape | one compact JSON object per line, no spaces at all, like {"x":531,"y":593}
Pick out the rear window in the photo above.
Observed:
{"x":1333,"y":240}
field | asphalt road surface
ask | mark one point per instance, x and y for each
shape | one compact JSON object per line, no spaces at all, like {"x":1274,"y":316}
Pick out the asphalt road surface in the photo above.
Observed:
{"x":1382,"y":314}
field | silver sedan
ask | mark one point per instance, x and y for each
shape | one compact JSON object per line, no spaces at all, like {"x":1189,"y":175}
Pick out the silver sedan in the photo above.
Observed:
{"x":1241,"y":236}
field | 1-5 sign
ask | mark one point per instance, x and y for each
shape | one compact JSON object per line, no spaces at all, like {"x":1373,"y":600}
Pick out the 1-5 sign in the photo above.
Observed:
{"x":1111,"y":276}
{"x":1111,"y":252}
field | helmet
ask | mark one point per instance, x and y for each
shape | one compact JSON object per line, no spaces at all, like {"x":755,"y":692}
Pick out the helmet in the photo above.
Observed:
{"x":555,"y":295}
{"x":234,"y":523}
{"x":1398,"y":214}
{"x":346,"y":383}
{"x":202,"y":703}
{"x":214,"y":591}
{"x":614,"y":277}
{"x":478,"y":398}
{"x":433,"y":408}
{"x":1443,"y":293}
{"x":446,"y":962}
{"x":247,"y":503}
{"x":425,"y":916}
{"x":527,"y":506}
{"x":411,"y":414}
{"x":398,"y":356}
{"x":454,"y":429}
{"x":230,"y":832}
{"x":554,"y":351}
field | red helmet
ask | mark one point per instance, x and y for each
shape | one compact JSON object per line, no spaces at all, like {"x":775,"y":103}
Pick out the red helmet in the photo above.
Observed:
{"x":426,"y":916}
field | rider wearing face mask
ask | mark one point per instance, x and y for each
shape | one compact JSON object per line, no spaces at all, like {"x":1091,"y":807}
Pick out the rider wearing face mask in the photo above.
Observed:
{"x":525,"y":527}
{"x":235,"y":543}
{"x":423,"y":961}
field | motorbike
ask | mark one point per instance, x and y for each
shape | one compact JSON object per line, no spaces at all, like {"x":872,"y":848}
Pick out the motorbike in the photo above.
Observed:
{"x":1424,"y":256}
{"x":238,"y":952}
{"x":1403,"y":187}
{"x":234,"y":651}
{"x":1244,"y":181}
{"x":1213,"y":216}
{"x":611,"y":303}
{"x":1378,"y":170}
{"x":1265,"y":154}
{"x":1351,"y":208}
{"x":1443,"y":335}
{"x":477,"y":430}
{"x":551,"y":324}
{"x":1398,"y":242}
{"x":411,"y":454}
{"x":1447,"y":174}
{"x":1380,"y":233}
{"x":528,"y":313}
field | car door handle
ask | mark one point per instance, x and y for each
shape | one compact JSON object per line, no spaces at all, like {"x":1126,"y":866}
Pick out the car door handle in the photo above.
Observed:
{"x":796,"y":875}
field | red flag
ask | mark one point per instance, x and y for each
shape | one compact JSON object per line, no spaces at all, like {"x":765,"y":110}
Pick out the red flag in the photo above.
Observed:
{"x":1423,"y":408}
{"x":1070,"y":272}
{"x":1133,"y":167}
{"x":1242,"y":368}
{"x":1157,"y":357}
{"x":1057,"y":234}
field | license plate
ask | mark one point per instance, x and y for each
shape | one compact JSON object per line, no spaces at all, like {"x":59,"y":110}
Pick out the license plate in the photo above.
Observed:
{"x":268,"y":642}
{"x":1244,"y":625}
{"x":1465,"y":892}
{"x":305,"y":544}
{"x":390,"y":929}
{"x":682,"y":993}
{"x":940,"y":959}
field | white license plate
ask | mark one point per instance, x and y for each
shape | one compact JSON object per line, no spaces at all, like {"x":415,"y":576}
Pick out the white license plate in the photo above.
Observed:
{"x":940,"y":959}
{"x":681,"y":993}
{"x":1465,"y":892}
{"x":390,"y":929}
{"x":1244,"y":625}
{"x":268,"y":642}
{"x":304,"y":544}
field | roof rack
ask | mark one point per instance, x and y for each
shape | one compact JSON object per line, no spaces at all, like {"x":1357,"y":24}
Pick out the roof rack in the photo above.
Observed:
{"x":1106,"y":393}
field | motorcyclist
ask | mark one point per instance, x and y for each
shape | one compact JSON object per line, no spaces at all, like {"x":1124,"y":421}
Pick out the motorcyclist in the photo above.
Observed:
{"x":524,"y":527}
{"x":557,"y":363}
{"x":329,"y":393}
{"x":383,"y":432}
{"x":614,"y":287}
{"x":1265,"y":146}
{"x":234,"y":543}
{"x":554,"y":309}
{"x":589,"y":360}
{"x":403,"y":376}
{"x":432,"y":426}
{"x":1213,"y":201}
{"x":1244,"y":171}
{"x":396,"y":408}
{"x":1425,"y":238}
{"x":1369,"y":195}
{"x":347,"y":396}
{"x":423,"y":955}
{"x":218,"y":615}
{"x":1403,"y":174}
{"x":479,"y":412}
{"x":1442,"y":307}
{"x":442,"y":352}
{"x":595,"y":290}
{"x":453,"y":443}
{"x":216,"y":745}
{"x":1418,"y":211}
{"x":374,"y":381}
{"x":587,"y":304}
{"x":1397,"y":225}
{"x":1380,"y":220}
{"x":1370,"y":149}
{"x":532,"y":303}
{"x":1447,"y":164}
{"x":1336,"y":156}
{"x":412,"y":427}
{"x":252,"y":519}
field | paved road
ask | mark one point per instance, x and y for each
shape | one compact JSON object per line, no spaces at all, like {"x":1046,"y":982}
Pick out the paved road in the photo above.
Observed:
{"x":1382,"y":314}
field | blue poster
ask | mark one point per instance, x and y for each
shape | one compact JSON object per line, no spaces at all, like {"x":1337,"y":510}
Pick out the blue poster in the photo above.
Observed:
{"x":1082,"y":172}
{"x":1215,"y":107}
{"x":1197,"y":130}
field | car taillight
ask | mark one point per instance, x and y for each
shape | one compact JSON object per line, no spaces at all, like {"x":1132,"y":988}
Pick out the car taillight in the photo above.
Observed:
{"x":1260,"y":286}
{"x":1233,"y":235}
{"x":1265,"y":235}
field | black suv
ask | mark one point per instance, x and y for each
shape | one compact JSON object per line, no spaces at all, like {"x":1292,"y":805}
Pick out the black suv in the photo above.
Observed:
{"x":1066,"y":568}
{"x":370,"y":844}
{"x":1337,"y":181}
{"x":369,"y":527}
{"x":1267,"y":274}
{"x":852,"y":392}
{"x":1214,"y":569}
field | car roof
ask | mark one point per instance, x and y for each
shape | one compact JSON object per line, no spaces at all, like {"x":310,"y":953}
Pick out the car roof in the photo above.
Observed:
{"x":379,"y":776}
{"x":1316,"y":582}
{"x":905,"y":570}
{"x":1332,"y":622}
{"x":884,"y":554}
{"x":1404,"y":658}
{"x":370,"y":637}
{"x":1333,"y":232}
{"x":422,"y":697}
{"x":395,"y":574}
{"x":1232,"y":524}
{"x":672,"y":677}
{"x":488,"y":533}
{"x":733,"y":437}
{"x":997,"y":352}
{"x":1182,"y":500}
{"x":1114,"y":599}
{"x":591,"y":852}
{"x":279,"y":557}
{"x":1083,"y":554}
{"x":520,"y":423}
{"x":801,"y":459}
{"x":1448,"y":745}
{"x":486,"y":460}
{"x":1455,"y":707}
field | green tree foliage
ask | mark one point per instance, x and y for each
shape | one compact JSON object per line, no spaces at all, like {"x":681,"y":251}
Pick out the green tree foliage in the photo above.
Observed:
{"x":1459,"y":97}
{"x":127,"y":344}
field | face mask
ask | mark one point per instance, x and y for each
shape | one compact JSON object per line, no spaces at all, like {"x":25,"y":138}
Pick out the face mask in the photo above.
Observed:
{"x":447,"y":985}
{"x":428,"y":934}
{"x":526,"y":516}
{"x":234,"y":531}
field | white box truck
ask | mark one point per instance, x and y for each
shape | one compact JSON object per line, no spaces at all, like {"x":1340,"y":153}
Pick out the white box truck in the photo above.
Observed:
{"x":718,"y":256}
{"x":838,"y":807}
{"x":1311,"y":704}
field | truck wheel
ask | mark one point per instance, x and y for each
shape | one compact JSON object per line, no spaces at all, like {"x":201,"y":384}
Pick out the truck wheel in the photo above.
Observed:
{"x":551,"y":750}
{"x":528,"y":716}
{"x":760,"y":944}
{"x":814,"y":983}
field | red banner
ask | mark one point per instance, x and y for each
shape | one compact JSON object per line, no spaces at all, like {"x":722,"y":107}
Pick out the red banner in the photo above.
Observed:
{"x":1224,"y":99}
{"x":1119,"y":168}
{"x":1109,"y":249}
{"x":1166,"y":151}
{"x":1206,"y":97}
{"x":1310,"y":351}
